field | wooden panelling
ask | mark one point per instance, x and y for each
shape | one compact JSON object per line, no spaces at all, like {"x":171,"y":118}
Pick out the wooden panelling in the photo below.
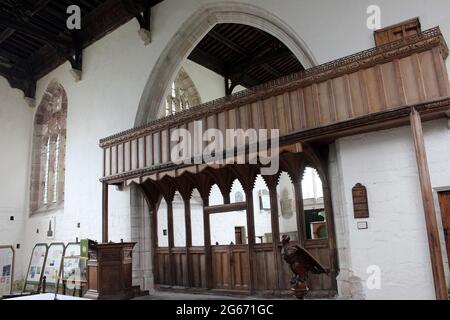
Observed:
{"x":198,"y":267}
{"x":320,"y":282}
{"x":221,"y":268}
{"x":377,"y":80}
{"x":230,"y":267}
{"x":266,"y":278}
{"x":149,"y":150}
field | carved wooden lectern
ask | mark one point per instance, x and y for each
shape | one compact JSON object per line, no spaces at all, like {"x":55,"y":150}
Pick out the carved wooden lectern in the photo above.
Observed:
{"x":109,"y":271}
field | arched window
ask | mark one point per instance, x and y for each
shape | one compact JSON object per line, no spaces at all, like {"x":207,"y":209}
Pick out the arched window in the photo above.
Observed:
{"x":183,"y":94}
{"x":49,"y":145}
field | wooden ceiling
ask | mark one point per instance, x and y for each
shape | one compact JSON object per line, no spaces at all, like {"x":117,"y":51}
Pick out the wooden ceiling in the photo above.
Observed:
{"x":245,"y":55}
{"x":34,"y":38}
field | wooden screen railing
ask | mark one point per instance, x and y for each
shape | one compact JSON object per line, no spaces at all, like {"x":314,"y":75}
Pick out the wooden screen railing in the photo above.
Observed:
{"x":374,"y":81}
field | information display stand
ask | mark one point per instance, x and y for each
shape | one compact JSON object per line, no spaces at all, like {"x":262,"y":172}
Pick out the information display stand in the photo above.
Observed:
{"x":36,"y":268}
{"x":74,"y":270}
{"x":6,"y":269}
{"x":53,"y":267}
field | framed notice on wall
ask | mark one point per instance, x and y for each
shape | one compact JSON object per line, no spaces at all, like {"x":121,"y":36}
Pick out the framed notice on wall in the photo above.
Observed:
{"x":6,"y":269}
{"x":53,"y":265}
{"x":35,"y":268}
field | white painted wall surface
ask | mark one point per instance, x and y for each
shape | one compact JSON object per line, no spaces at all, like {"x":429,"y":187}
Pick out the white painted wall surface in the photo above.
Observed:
{"x":209,"y":84}
{"x":396,"y":239}
{"x":15,"y":141}
{"x":115,"y":70}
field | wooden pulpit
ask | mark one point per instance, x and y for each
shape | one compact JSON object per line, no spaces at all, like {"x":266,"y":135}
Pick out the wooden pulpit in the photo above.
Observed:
{"x":109,"y":271}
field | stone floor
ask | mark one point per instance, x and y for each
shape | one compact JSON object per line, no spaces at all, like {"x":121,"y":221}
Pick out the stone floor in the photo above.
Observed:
{"x":166,"y":295}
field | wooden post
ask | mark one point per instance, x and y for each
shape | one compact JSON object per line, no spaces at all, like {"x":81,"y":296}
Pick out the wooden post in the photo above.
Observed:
{"x":172,"y":277}
{"x":207,"y":243}
{"x":105,"y":212}
{"x":271,"y":183}
{"x":187,"y":223}
{"x":299,"y":210}
{"x":428,"y":205}
{"x":251,"y":237}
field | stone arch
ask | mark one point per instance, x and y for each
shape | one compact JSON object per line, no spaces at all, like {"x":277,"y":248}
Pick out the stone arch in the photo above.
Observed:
{"x":191,"y":33}
{"x":165,"y":70}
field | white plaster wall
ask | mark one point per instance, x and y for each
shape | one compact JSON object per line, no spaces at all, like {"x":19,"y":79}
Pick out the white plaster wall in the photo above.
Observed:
{"x":396,"y":240}
{"x":209,"y":84}
{"x":15,"y":129}
{"x":115,"y":70}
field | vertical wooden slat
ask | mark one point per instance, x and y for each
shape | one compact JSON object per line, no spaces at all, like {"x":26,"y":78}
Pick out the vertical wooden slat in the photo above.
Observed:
{"x":149,"y":149}
{"x":104,"y":162}
{"x":156,"y":148}
{"x":428,"y":206}
{"x":419,"y":76}
{"x":316,"y":105}
{"x":441,"y":71}
{"x":400,"y":82}
{"x":172,"y":271}
{"x":299,"y":209}
{"x":110,"y":160}
{"x":251,"y":237}
{"x":332,"y":101}
{"x":302,"y":107}
{"x":188,"y":231}
{"x":207,"y":241}
{"x":104,"y":212}
{"x":381,"y":87}
{"x":275,"y":232}
{"x":364,"y":94}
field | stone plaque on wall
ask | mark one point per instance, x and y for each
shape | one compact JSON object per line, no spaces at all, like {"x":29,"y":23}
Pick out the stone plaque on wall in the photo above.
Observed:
{"x":360,"y":202}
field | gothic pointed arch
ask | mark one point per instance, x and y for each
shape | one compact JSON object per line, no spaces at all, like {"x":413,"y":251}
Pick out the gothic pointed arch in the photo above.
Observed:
{"x":191,"y":33}
{"x":48,"y":154}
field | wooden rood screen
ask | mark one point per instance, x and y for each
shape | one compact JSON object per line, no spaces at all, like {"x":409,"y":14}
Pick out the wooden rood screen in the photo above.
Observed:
{"x":385,"y":78}
{"x":370,"y":90}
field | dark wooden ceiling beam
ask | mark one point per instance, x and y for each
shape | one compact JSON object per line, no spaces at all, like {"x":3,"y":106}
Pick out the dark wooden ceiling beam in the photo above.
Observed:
{"x":11,"y":56}
{"x":38,"y":6}
{"x":259,"y":61}
{"x":229,"y":43}
{"x":19,"y":80}
{"x":42,"y":23}
{"x":32,"y":31}
{"x":212,"y":63}
{"x":272,"y":70}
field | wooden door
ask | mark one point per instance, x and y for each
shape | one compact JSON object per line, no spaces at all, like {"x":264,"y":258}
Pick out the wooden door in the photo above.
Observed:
{"x":240,"y":271}
{"x":230,"y":267}
{"x":444,"y":202}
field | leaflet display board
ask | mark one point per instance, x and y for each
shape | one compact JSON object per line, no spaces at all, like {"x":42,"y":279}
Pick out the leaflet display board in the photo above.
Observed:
{"x":6,"y":269}
{"x":53,"y":264}
{"x":74,"y":267}
{"x":36,"y":267}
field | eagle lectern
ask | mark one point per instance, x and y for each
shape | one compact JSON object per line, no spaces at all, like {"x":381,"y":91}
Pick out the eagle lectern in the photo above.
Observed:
{"x":109,"y":270}
{"x":302,"y":263}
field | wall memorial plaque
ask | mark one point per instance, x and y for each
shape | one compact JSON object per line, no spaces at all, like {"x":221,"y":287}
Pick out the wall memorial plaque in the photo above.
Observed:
{"x":360,"y":202}
{"x":35,"y":268}
{"x":6,"y":269}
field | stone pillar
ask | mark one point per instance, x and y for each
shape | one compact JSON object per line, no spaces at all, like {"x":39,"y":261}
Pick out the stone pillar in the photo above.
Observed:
{"x":141,"y":230}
